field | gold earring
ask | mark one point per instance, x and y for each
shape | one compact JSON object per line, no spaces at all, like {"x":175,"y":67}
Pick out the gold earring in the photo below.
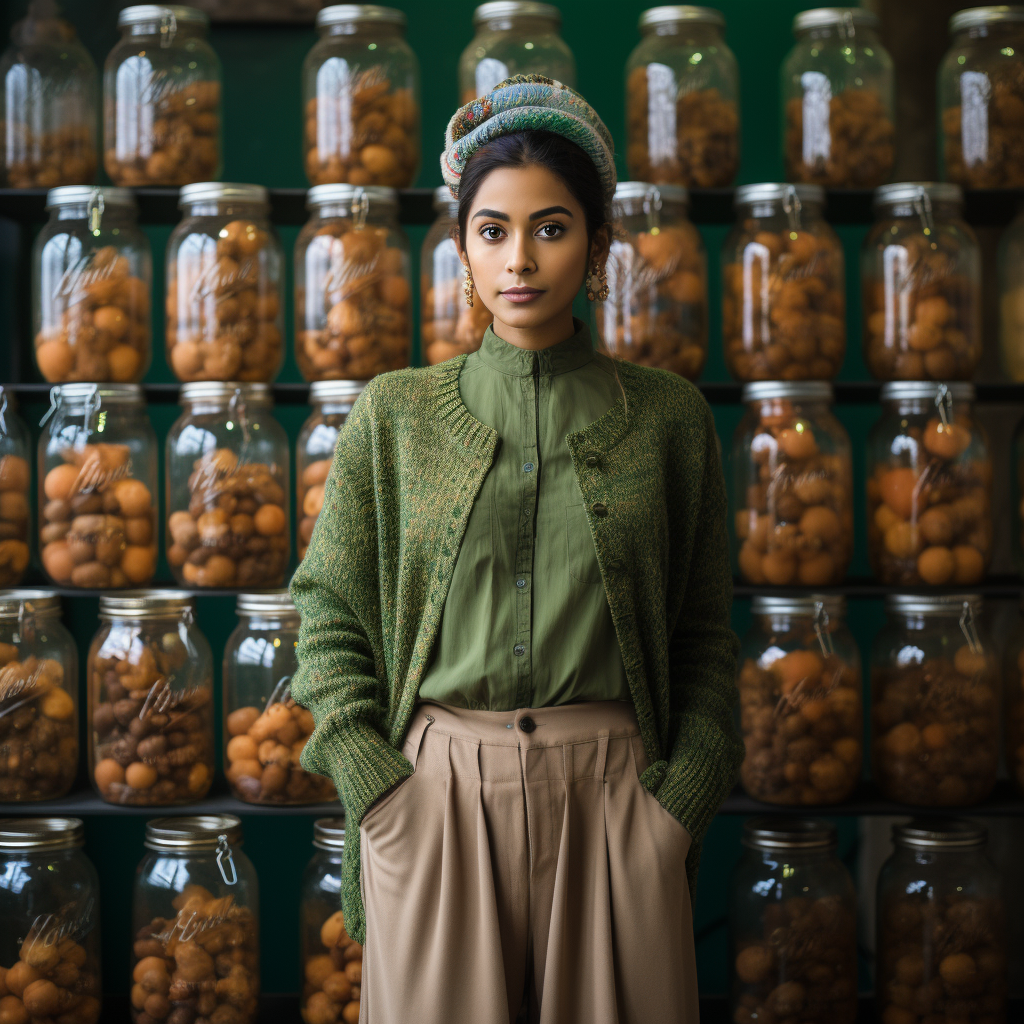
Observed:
{"x":467,"y":286}
{"x":598,"y":292}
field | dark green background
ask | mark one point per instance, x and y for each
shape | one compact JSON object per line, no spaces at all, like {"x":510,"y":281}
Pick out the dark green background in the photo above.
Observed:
{"x":262,"y":135}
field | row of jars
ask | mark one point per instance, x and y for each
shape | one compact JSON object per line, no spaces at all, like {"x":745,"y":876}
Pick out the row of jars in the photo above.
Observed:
{"x":195,"y":920}
{"x":149,"y":675}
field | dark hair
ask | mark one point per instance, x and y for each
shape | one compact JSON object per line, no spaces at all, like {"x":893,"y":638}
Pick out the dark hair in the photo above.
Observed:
{"x":544,"y":149}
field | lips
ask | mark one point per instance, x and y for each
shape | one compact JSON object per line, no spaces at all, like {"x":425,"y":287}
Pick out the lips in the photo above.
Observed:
{"x":521,"y":294}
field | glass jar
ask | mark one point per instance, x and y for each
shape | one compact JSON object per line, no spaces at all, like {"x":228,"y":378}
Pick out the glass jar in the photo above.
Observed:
{"x":981,"y":99}
{"x":1013,"y":691}
{"x":38,"y":698}
{"x":15,"y":485}
{"x":682,"y":100}
{"x":332,"y":401}
{"x":929,"y":487}
{"x":656,"y":313}
{"x":1010,"y":266}
{"x":91,"y":276}
{"x":265,"y":730}
{"x":332,"y":962}
{"x":353,"y":296}
{"x":838,"y":100}
{"x":793,"y":486}
{"x":48,"y":94}
{"x":941,"y":945}
{"x":792,"y":926}
{"x":150,"y":679}
{"x":161,"y":102}
{"x":514,"y":37}
{"x":361,"y":97}
{"x":935,"y":715}
{"x":783,"y":298}
{"x":800,"y":702}
{"x":49,"y":923}
{"x":921,"y":285}
{"x":225,"y":276}
{"x":195,"y":911}
{"x":97,"y":487}
{"x":448,"y":326}
{"x":227,"y":479}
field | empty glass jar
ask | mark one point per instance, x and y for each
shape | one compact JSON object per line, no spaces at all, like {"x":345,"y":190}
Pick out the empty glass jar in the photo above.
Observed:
{"x":91,"y":276}
{"x":161,"y":99}
{"x":656,"y":312}
{"x":361,"y":98}
{"x":981,"y":99}
{"x":49,"y":923}
{"x":195,"y":914}
{"x":792,"y":926}
{"x":15,"y":496}
{"x":783,"y":295}
{"x":48,"y":94}
{"x":150,"y":679}
{"x":38,"y":698}
{"x":514,"y":37}
{"x":682,"y":100}
{"x":97,"y":487}
{"x":935,"y":693}
{"x":838,"y":100}
{"x":929,"y":487}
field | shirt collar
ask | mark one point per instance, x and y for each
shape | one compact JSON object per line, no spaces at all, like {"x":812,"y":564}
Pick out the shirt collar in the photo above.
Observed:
{"x":571,"y":354}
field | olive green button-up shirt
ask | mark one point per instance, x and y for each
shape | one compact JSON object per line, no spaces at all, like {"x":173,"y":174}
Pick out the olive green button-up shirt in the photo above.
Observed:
{"x":526,"y":621}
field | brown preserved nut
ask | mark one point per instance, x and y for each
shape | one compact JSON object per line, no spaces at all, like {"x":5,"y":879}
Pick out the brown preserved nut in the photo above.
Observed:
{"x":366,"y":302}
{"x":223,"y":307}
{"x":14,"y":517}
{"x":804,"y":969}
{"x":182,"y":144}
{"x":368,"y":136}
{"x":941,"y":958}
{"x":101,"y":320}
{"x":38,"y":734}
{"x":861,"y":142}
{"x":98,"y":525}
{"x":801,"y":722}
{"x":52,"y":979}
{"x":263,"y":756}
{"x":656,"y":314}
{"x":999,"y":160}
{"x":152,"y":745}
{"x":235,"y":530}
{"x":932,"y":524}
{"x":63,"y":157}
{"x":792,"y":325}
{"x":311,"y":499}
{"x":1015,"y":718}
{"x":796,"y":526}
{"x":706,"y":145}
{"x":331,"y":979}
{"x":448,"y":326}
{"x":935,"y":739}
{"x":202,"y":964}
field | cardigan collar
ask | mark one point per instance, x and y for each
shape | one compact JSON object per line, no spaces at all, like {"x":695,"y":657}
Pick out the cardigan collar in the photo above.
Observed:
{"x":577,"y":350}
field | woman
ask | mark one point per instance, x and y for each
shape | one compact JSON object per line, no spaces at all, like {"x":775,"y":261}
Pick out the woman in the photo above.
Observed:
{"x":515,"y":625}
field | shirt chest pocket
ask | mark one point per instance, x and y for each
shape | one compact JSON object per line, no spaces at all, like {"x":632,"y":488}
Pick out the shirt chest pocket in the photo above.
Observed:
{"x":583,"y":565}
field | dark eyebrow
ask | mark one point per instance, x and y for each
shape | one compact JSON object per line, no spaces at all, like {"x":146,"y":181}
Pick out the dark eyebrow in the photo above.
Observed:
{"x":490,"y":213}
{"x":549,"y":210}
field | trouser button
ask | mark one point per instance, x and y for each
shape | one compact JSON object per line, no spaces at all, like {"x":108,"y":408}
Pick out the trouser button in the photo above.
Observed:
{"x":527,"y":724}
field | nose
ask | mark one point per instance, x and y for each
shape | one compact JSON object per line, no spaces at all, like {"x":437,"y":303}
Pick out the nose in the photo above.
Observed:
{"x":520,"y":258}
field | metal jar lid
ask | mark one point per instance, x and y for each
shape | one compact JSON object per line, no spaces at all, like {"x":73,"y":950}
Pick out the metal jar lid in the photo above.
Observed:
{"x":834,"y":605}
{"x":825,"y":17}
{"x":940,"y":834}
{"x":677,"y":13}
{"x":224,"y":391}
{"x":902,"y":390}
{"x":195,"y":832}
{"x":37,"y":602}
{"x":516,"y":9}
{"x":377,"y":196}
{"x":76,"y":195}
{"x":41,"y":833}
{"x":626,"y":190}
{"x":270,"y":603}
{"x":799,"y":390}
{"x":979,"y":17}
{"x":221,"y":192}
{"x":359,"y":14}
{"x":789,"y":834}
{"x":329,"y":833}
{"x":933,"y":604}
{"x":145,"y":604}
{"x":903,"y":192}
{"x":776,"y":191}
{"x":73,"y":396}
{"x":341,"y":391}
{"x":143,"y":13}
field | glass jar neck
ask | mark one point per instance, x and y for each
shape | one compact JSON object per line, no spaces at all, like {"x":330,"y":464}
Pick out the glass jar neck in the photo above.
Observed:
{"x":225,"y":208}
{"x":266,"y":621}
{"x":161,"y":31}
{"x":923,"y":406}
{"x":520,"y":23}
{"x":332,"y":407}
{"x":765,"y":208}
{"x":215,"y":406}
{"x":81,"y":211}
{"x":375,"y":216}
{"x":1002,"y":30}
{"x":362,"y":30}
{"x":794,"y":855}
{"x":639,"y":206}
{"x":806,"y":408}
{"x":941,"y":210}
{"x":699,"y":31}
{"x":862,"y":35}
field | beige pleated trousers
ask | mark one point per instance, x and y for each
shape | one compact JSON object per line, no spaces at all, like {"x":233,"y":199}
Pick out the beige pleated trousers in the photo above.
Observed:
{"x":522,"y":862}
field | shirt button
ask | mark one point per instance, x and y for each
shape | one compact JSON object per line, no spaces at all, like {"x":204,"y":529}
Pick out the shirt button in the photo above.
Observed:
{"x":527,"y":467}
{"x":519,"y":650}
{"x":527,"y":724}
{"x":520,"y":583}
{"x":593,"y":460}
{"x":599,"y":508}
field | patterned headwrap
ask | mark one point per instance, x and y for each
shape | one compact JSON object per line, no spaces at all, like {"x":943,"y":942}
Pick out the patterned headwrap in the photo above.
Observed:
{"x":527,"y":103}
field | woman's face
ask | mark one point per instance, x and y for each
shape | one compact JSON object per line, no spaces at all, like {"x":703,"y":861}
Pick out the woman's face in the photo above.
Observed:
{"x":526,"y":244}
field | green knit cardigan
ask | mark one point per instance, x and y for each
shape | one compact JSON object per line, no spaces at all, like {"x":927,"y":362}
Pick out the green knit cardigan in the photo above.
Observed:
{"x":408,"y":465}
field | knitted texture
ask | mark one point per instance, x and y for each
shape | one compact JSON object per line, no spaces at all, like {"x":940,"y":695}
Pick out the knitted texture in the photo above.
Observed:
{"x":525,"y":103}
{"x":408,"y":465}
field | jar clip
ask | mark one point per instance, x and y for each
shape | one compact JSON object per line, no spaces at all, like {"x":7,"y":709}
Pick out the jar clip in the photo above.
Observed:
{"x":56,"y":410}
{"x":969,"y":630}
{"x":360,"y":209}
{"x":3,"y":409}
{"x":944,"y":405}
{"x":846,"y":28}
{"x":281,"y":691}
{"x":237,"y":410}
{"x":168,"y":28}
{"x":652,"y":209}
{"x":224,"y":854}
{"x":792,"y":207}
{"x":923,"y":209}
{"x":94,"y":211}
